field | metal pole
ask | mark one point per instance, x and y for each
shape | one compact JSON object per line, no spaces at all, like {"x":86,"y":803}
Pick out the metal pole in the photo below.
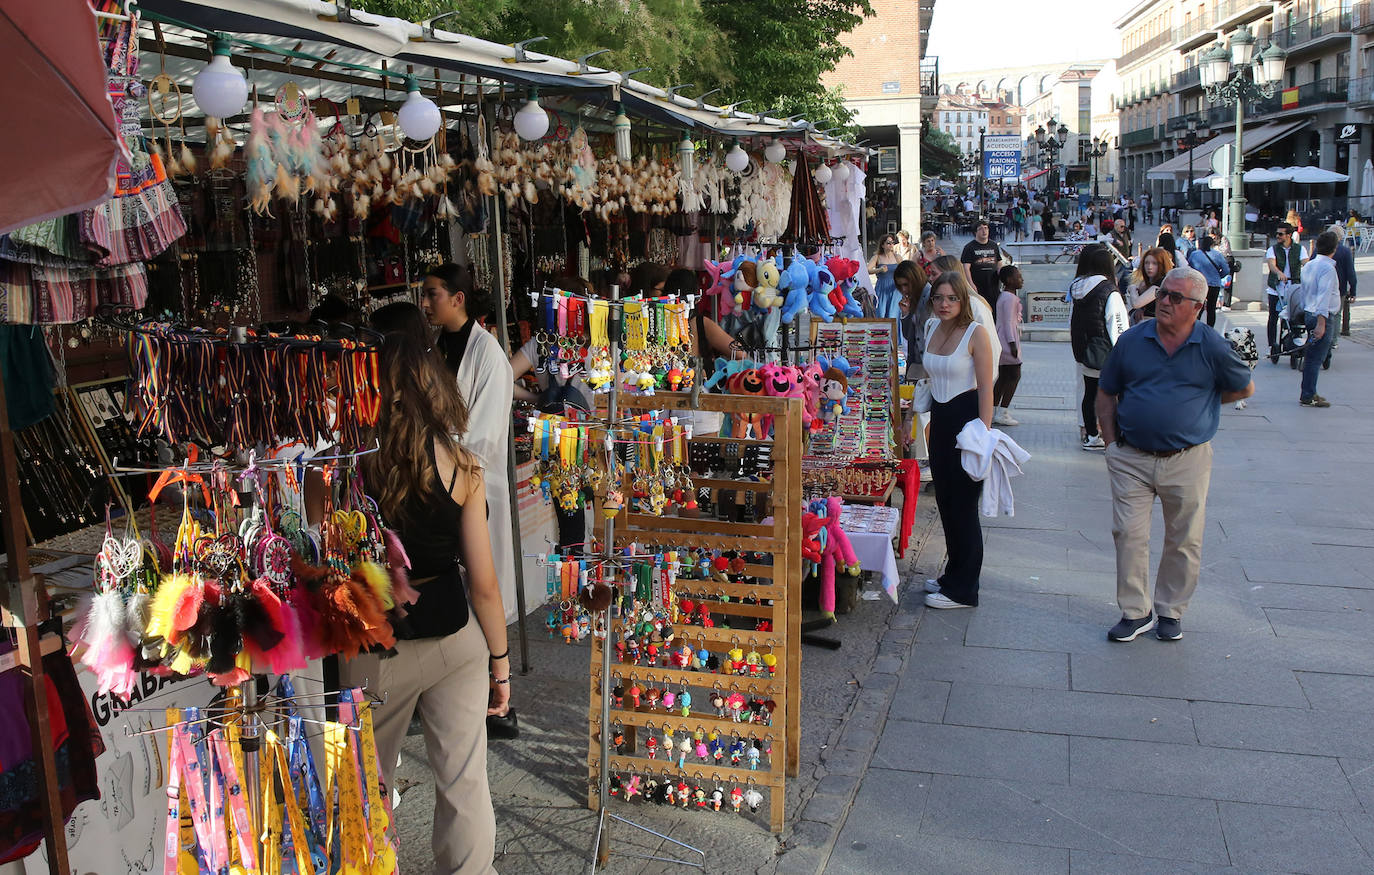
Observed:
{"x":1236,"y":208}
{"x":603,"y":845}
{"x":1188,"y":186}
{"x":519,"y":561}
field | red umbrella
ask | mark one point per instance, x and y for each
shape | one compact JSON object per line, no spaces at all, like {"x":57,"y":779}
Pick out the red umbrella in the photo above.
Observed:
{"x":61,"y":137}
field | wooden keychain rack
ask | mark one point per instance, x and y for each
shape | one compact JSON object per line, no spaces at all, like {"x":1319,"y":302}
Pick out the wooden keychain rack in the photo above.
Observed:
{"x":782,"y":539}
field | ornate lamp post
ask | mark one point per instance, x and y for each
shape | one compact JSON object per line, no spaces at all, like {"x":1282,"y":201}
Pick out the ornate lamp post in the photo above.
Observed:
{"x":1100,"y":147}
{"x":1236,"y":77}
{"x":1051,"y":144}
{"x":1190,"y":143}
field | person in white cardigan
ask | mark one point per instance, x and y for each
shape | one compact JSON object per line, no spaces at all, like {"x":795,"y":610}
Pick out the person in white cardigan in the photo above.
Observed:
{"x":452,"y":303}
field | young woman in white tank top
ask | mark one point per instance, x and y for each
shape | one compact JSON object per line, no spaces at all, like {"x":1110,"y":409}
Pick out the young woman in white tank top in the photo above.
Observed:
{"x":959,"y":359}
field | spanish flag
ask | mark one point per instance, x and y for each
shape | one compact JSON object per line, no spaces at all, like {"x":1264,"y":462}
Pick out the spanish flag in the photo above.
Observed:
{"x":1290,"y":98}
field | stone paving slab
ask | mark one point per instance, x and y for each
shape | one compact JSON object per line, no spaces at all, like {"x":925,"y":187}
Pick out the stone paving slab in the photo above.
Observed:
{"x":1284,"y":730}
{"x":1292,"y":840}
{"x":1086,"y":818}
{"x":1213,"y":773}
{"x":971,"y":750}
{"x":1069,"y":712}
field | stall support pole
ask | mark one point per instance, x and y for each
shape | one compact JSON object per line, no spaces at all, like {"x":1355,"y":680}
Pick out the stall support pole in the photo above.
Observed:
{"x":601,"y":842}
{"x":504,"y":336}
{"x":22,"y":613}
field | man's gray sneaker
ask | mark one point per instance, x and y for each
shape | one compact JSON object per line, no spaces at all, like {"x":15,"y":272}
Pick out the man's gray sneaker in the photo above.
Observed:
{"x":1129,"y":630}
{"x":1169,"y":629}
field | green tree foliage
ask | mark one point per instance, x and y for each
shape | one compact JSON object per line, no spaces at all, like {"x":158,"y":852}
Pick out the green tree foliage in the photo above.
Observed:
{"x":771,"y":53}
{"x":939,"y":153}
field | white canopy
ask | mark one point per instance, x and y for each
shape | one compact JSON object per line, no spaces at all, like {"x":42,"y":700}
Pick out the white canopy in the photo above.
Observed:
{"x":1309,"y":175}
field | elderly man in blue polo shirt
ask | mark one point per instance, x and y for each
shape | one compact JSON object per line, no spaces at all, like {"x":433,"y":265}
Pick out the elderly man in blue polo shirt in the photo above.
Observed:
{"x":1158,"y":405}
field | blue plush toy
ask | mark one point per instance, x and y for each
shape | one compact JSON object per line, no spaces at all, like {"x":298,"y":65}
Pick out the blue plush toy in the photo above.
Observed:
{"x":794,"y":283}
{"x":817,"y":299}
{"x":725,"y":369}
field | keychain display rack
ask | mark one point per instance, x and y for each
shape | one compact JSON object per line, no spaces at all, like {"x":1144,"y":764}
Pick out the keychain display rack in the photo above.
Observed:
{"x":764,"y":613}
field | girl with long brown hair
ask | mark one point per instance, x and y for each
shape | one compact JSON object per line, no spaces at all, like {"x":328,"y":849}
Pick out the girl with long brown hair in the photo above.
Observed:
{"x":453,"y":670}
{"x":1155,"y":262}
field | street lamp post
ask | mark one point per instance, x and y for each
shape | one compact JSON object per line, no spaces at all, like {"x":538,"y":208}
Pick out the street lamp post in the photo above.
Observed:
{"x":1051,"y":148}
{"x":1099,"y":149}
{"x":1235,"y":77}
{"x":982,"y":182}
{"x":1190,"y":143}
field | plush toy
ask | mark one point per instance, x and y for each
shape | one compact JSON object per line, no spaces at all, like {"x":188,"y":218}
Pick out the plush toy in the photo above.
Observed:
{"x":725,"y":370}
{"x":811,"y":543}
{"x":834,"y":394}
{"x":747,"y":382}
{"x":766,"y":295}
{"x":835,"y":551}
{"x":784,"y":381}
{"x":744,"y":276}
{"x":812,"y":377}
{"x":794,"y":282}
{"x":719,"y":285}
{"x":817,"y":300}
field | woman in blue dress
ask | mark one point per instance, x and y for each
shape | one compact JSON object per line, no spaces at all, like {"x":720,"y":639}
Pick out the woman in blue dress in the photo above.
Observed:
{"x":884,"y":265}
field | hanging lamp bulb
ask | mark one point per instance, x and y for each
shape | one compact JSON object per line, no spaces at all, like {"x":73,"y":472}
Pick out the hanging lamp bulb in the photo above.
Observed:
{"x":219,"y":88}
{"x":822,"y":173}
{"x":686,"y":157}
{"x":737,"y":159}
{"x":775,"y":152}
{"x":419,"y":116}
{"x":841,"y":170}
{"x":531,"y":122}
{"x":622,"y":135}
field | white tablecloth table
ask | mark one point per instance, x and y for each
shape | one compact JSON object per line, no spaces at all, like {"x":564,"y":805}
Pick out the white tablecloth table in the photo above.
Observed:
{"x":871,"y":530}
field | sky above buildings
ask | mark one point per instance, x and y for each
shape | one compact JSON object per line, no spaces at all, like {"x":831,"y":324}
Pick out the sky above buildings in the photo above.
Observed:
{"x":982,"y":34}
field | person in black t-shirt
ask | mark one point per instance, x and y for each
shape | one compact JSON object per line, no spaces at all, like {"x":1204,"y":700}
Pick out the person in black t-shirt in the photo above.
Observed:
{"x":982,"y":258}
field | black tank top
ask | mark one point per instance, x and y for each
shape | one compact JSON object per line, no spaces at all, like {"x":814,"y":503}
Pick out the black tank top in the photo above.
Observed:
{"x":432,"y":537}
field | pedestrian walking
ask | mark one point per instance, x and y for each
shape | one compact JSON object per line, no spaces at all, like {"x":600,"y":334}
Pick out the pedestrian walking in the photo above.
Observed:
{"x":883,"y":263}
{"x":959,"y":358}
{"x":1294,"y":221}
{"x":1345,"y":271}
{"x":981,"y":259}
{"x":1285,"y":258}
{"x":1214,"y":268}
{"x":1319,"y":299}
{"x":929,"y":251}
{"x":1098,"y":318}
{"x":1009,"y":333}
{"x":1036,"y":226}
{"x":1159,"y":403}
{"x":1155,"y":263}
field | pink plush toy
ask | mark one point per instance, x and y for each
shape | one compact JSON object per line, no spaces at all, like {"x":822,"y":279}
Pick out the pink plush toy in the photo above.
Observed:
{"x":811,"y":378}
{"x":719,"y":286}
{"x":784,"y":381}
{"x":835,"y":546}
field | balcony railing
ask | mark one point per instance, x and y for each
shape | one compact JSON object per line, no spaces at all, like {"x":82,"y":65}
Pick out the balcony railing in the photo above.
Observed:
{"x":1361,"y":90}
{"x":1194,"y":26}
{"x":1158,"y":41}
{"x":1362,"y":16}
{"x":1329,"y":23}
{"x":1188,"y":78}
{"x":930,"y":77}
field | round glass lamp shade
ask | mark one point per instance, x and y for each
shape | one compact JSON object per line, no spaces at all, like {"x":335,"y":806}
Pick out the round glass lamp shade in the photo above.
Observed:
{"x":419,"y":116}
{"x":823,"y":173}
{"x":1270,"y":66}
{"x":531,"y":122}
{"x":775,"y":152}
{"x":220,"y":89}
{"x":1242,"y":47}
{"x":737,"y":159}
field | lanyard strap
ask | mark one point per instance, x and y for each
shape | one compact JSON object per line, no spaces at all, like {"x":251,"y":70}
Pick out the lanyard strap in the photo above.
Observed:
{"x":214,"y":847}
{"x":172,"y":837}
{"x":233,"y":798}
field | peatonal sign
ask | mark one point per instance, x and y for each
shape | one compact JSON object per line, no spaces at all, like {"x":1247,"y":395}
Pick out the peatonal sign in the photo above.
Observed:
{"x":1002,"y":156}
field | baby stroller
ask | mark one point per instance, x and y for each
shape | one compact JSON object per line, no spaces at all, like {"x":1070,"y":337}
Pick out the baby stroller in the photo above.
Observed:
{"x":1293,"y":333}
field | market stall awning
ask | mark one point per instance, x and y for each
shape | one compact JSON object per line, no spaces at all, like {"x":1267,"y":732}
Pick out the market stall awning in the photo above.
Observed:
{"x":1256,"y":138}
{"x":313,"y":26}
{"x":1029,"y":176}
{"x":1306,"y":175}
{"x":55,"y":103}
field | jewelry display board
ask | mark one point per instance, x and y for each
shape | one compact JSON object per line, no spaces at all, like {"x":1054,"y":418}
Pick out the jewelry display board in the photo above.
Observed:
{"x":736,"y":637}
{"x":866,"y":432}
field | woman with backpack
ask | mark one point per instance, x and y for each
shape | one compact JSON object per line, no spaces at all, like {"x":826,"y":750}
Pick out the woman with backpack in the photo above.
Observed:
{"x":1210,"y":263}
{"x":1097,"y":320}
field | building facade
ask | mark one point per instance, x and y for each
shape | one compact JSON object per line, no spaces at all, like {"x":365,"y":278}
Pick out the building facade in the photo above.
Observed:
{"x":962,"y":118}
{"x":1019,"y":99}
{"x":891,"y":85}
{"x":1328,"y":84}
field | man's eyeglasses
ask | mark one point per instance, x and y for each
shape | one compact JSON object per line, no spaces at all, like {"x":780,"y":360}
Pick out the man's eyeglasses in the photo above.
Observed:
{"x":1177,"y":298}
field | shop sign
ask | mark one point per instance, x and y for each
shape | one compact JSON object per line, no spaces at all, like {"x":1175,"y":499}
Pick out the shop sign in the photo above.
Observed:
{"x":1348,"y":133}
{"x":887,"y":159}
{"x":892,"y":87}
{"x":1047,"y":307}
{"x":1001,"y":156}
